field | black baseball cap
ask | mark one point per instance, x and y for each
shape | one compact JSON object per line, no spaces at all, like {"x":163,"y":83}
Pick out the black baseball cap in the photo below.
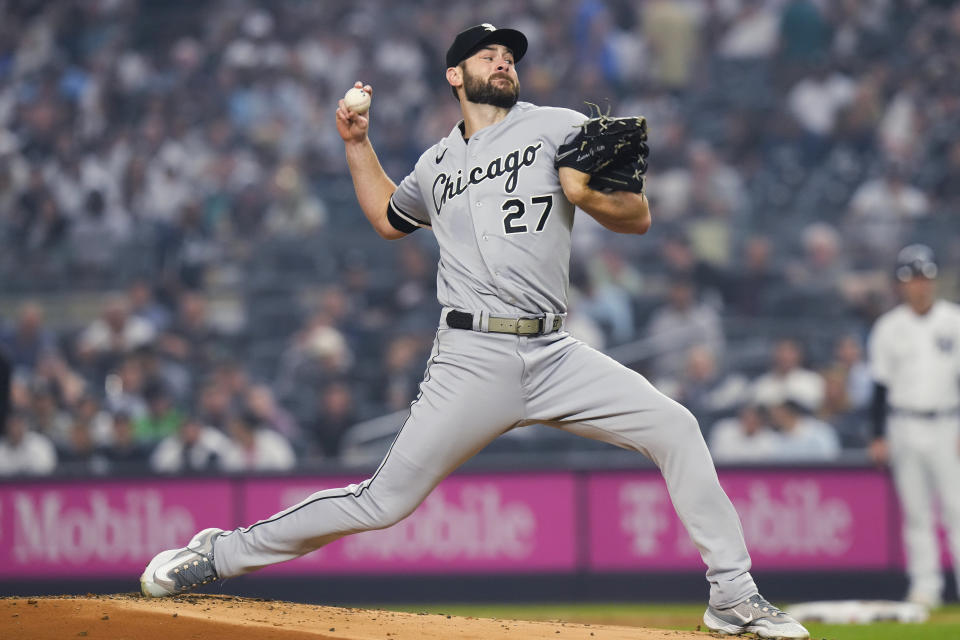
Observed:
{"x":916,"y":261}
{"x":473,"y":38}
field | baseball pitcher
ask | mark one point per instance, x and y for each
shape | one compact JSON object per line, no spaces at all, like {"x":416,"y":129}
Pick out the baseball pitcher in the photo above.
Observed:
{"x":499,"y":193}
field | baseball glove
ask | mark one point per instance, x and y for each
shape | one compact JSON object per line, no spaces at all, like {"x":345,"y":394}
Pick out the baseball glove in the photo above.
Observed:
{"x":612,"y":150}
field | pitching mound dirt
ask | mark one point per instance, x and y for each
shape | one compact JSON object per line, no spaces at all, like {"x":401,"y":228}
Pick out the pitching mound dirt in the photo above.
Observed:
{"x":131,"y":617}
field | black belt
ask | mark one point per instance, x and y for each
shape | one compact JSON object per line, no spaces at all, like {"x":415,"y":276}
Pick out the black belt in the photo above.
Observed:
{"x":924,"y":415}
{"x":532,"y":326}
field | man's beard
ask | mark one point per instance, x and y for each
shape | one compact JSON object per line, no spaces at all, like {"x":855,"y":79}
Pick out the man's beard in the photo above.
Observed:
{"x":479,"y":91}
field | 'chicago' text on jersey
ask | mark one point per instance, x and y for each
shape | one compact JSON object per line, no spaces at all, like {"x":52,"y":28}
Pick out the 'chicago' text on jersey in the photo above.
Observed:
{"x":445,"y":188}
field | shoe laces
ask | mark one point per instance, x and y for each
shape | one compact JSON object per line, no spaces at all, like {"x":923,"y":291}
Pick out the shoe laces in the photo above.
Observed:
{"x":193,"y":573}
{"x":759,"y":602}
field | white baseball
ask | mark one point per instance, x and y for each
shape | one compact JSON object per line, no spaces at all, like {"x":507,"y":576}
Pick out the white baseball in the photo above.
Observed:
{"x":356,"y":100}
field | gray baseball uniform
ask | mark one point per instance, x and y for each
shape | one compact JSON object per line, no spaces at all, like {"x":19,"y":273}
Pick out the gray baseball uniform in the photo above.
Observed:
{"x":503,"y":226}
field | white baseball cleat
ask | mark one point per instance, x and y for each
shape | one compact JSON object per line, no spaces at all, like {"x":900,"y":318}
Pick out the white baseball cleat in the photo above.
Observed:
{"x":754,"y":615}
{"x":180,"y":570}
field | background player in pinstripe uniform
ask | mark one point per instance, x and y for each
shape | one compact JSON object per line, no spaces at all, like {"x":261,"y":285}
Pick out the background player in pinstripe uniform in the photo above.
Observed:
{"x":915,"y":361}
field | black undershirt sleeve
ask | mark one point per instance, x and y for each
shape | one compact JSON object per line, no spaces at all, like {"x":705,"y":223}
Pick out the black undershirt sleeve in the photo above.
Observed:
{"x":878,"y":410}
{"x":399,"y":221}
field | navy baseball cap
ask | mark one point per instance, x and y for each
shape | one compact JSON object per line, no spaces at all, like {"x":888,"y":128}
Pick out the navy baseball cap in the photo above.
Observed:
{"x":916,"y":261}
{"x":467,"y":42}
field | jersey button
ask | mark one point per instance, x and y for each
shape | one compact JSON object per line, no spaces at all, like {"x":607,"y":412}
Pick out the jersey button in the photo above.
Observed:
{"x":479,"y":204}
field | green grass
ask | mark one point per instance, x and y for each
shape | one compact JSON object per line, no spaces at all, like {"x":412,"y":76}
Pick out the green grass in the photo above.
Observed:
{"x":944,"y":623}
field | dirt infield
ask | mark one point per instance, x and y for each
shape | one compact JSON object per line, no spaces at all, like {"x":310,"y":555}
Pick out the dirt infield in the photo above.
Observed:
{"x":203,"y":617}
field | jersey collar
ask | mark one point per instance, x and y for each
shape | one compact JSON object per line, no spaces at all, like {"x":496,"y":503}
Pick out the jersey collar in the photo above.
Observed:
{"x":456,"y":134}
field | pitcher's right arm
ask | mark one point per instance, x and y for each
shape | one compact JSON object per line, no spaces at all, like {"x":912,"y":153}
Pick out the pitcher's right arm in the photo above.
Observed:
{"x":370,"y":181}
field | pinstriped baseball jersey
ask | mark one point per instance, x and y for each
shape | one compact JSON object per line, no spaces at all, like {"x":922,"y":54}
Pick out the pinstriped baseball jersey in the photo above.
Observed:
{"x":918,"y":357}
{"x":496,"y":207}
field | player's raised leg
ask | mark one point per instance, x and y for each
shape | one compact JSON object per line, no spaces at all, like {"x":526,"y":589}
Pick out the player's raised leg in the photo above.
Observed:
{"x":469,"y":396}
{"x":585,"y":392}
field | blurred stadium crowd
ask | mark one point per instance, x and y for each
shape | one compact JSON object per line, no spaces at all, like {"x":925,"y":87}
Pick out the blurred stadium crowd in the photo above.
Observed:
{"x":186,"y":282}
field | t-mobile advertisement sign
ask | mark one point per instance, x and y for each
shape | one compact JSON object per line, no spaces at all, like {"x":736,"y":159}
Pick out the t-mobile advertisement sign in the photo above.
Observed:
{"x":475,"y":524}
{"x":791,"y":520}
{"x":103,"y":529}
{"x":489,"y":523}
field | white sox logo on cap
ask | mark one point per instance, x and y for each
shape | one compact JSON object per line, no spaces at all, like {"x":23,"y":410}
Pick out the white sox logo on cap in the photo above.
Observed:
{"x":470,"y":40}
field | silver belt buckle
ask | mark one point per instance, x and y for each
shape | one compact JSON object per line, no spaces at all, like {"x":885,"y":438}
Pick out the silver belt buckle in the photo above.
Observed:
{"x":530,"y":326}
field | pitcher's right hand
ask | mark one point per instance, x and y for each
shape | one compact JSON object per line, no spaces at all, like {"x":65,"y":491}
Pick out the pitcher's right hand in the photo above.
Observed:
{"x":353,"y":127}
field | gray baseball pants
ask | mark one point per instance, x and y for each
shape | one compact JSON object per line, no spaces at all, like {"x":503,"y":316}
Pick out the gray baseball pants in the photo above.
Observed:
{"x":478,"y":386}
